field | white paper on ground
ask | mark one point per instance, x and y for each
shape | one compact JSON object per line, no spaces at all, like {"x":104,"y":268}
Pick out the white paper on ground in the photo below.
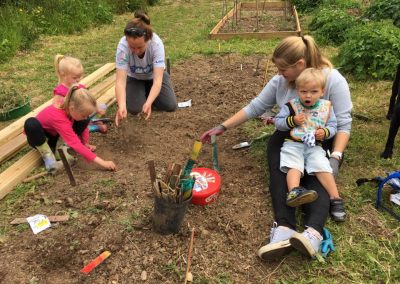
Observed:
{"x":395,"y":198}
{"x":185,"y":104}
{"x":38,"y":223}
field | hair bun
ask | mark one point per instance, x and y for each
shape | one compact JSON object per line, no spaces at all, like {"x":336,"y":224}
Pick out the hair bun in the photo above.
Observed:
{"x":142,"y":15}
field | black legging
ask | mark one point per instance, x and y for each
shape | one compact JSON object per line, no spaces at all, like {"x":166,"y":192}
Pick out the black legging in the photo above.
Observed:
{"x":36,"y":135}
{"x":315,"y":212}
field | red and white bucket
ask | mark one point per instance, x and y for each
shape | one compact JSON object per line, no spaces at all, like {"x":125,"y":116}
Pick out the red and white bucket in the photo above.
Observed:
{"x":206,"y":187}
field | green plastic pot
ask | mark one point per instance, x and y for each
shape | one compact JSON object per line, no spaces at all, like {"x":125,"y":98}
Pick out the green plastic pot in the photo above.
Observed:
{"x":16,"y":112}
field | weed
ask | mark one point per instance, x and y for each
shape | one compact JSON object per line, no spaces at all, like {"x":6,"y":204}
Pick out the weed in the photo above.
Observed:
{"x":173,"y":268}
{"x":127,"y":222}
{"x":22,"y":227}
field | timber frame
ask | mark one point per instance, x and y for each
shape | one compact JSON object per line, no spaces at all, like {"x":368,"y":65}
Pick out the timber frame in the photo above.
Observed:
{"x":277,"y":5}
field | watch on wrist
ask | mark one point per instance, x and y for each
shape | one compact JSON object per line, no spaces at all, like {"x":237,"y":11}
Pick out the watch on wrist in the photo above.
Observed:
{"x":337,"y":155}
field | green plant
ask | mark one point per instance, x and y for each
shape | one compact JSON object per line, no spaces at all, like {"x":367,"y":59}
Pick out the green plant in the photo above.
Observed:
{"x":371,"y":50}
{"x":384,"y":9}
{"x":10,"y":98}
{"x":329,"y":25}
{"x":306,"y":5}
{"x":345,"y":4}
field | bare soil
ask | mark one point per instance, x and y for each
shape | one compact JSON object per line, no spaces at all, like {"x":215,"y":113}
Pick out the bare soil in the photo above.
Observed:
{"x":112,"y":210}
{"x":263,"y":21}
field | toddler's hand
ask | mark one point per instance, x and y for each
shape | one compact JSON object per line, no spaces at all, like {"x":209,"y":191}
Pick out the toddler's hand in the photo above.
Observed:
{"x":299,"y":119}
{"x":320,"y":134}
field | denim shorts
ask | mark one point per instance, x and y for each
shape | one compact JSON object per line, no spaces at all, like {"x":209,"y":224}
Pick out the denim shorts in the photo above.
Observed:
{"x":296,"y":155}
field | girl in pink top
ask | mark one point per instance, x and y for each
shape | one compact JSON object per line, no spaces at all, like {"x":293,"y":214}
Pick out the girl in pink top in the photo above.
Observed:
{"x":53,"y":122}
{"x":69,"y":71}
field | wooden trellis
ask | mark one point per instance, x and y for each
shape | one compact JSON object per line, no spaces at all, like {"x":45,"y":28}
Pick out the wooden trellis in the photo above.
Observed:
{"x":234,"y":15}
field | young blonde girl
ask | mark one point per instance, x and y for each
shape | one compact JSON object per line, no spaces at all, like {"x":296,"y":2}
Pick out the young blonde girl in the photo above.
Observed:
{"x":53,"y":122}
{"x":69,"y":71}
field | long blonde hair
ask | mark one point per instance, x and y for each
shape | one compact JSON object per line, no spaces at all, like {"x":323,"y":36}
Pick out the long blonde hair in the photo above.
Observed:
{"x":81,"y":99}
{"x":64,"y":64}
{"x":293,"y":48}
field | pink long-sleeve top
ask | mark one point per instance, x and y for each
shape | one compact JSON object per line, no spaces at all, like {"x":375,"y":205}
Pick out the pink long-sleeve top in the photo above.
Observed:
{"x":62,"y":90}
{"x":56,"y":121}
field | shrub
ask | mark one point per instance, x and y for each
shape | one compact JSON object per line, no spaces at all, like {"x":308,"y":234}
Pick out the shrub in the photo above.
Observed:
{"x":384,"y":9}
{"x":329,"y":25}
{"x":371,"y":50}
{"x":68,"y":16}
{"x":344,"y":4}
{"x":306,"y":5}
{"x":17,"y":31}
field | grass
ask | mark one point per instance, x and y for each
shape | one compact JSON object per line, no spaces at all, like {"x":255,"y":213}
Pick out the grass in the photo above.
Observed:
{"x":367,"y":244}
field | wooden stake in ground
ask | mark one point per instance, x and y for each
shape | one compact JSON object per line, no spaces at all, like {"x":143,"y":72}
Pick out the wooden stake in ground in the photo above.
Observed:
{"x":67,"y":167}
{"x":266,"y":73}
{"x":39,"y":175}
{"x":188,"y":258}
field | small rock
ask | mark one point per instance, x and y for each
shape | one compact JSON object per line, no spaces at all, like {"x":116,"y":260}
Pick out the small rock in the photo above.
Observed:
{"x":189,"y":277}
{"x":69,"y":201}
{"x":143,"y":276}
{"x":59,"y":201}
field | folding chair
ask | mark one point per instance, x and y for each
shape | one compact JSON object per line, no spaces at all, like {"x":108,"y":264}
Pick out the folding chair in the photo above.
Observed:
{"x":379,"y":193}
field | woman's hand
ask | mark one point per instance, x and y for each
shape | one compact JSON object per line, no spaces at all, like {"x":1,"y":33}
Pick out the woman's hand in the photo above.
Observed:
{"x":121,"y":114}
{"x":218,"y":130}
{"x":109,"y":165}
{"x":147,"y":110}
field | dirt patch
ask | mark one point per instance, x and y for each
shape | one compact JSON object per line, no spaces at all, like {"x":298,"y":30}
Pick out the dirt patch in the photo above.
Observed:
{"x":263,"y":21}
{"x":112,"y":211}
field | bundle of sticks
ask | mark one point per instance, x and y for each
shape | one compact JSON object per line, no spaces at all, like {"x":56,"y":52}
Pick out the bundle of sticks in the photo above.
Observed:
{"x":174,"y":187}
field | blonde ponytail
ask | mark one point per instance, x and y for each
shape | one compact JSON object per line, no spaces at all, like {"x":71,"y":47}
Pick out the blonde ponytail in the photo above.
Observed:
{"x":81,"y":99}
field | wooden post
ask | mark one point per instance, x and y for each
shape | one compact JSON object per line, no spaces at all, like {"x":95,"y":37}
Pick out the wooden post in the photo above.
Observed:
{"x":67,"y":167}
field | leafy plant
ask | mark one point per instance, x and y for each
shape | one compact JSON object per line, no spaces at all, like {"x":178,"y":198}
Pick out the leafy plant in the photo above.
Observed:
{"x":371,"y":50}
{"x":384,"y":9}
{"x":329,"y":25}
{"x":306,"y":5}
{"x":10,"y":98}
{"x":344,"y":4}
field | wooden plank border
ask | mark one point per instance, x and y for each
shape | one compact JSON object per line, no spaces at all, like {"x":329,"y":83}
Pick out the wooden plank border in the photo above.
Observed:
{"x":215,"y":34}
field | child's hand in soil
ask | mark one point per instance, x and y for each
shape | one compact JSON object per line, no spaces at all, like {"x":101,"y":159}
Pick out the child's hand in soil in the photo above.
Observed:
{"x":109,"y":165}
{"x":91,"y":147}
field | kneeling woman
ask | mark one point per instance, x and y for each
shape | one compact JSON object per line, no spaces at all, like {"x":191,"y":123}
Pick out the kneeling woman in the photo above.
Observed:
{"x":141,"y":77}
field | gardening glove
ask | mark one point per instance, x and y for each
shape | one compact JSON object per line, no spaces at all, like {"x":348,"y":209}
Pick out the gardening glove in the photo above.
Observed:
{"x":327,"y":243}
{"x":335,"y":163}
{"x":309,"y":139}
{"x":217,"y":130}
{"x":267,"y":120}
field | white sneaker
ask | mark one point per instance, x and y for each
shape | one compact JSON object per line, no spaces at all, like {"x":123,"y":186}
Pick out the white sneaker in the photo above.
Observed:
{"x":51,"y":165}
{"x":308,"y":242}
{"x":279,"y":243}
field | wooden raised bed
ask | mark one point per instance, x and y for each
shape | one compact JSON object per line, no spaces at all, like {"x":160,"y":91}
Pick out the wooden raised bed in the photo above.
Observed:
{"x":235,"y":17}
